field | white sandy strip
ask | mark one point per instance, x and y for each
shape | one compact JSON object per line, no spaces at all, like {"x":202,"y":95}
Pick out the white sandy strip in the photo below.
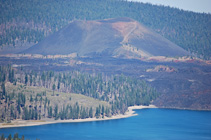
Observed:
{"x":23,"y":123}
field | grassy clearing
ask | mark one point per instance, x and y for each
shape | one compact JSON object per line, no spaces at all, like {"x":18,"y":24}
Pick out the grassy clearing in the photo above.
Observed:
{"x":59,"y":98}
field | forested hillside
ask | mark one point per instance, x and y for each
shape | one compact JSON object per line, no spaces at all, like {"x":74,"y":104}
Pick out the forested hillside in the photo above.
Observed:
{"x":68,"y":95}
{"x":24,"y":21}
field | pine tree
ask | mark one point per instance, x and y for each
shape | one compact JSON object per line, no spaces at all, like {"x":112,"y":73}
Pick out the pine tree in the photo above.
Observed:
{"x":11,"y":75}
{"x":26,"y":113}
{"x":22,"y":138}
{"x":50,"y":112}
{"x":26,"y":79}
{"x":15,"y":136}
{"x":2,"y":137}
{"x":10,"y":137}
{"x":90,"y":113}
{"x":3,"y":89}
{"x":54,"y":87}
{"x":97,"y":113}
{"x":56,"y":112}
{"x":103,"y":110}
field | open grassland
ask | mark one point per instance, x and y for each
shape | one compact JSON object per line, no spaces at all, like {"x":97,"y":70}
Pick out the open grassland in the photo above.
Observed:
{"x":59,"y":98}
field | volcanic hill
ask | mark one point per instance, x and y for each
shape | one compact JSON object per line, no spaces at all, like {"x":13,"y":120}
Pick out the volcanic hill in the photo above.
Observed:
{"x":119,"y":37}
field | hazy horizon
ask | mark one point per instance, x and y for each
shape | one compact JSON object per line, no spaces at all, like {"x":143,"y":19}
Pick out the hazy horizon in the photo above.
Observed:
{"x":199,"y":6}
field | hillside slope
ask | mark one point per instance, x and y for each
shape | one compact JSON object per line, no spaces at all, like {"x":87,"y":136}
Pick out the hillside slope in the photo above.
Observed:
{"x":121,"y":37}
{"x":24,"y":21}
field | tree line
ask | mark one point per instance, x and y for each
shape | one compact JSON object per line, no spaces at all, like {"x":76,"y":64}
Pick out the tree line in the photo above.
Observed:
{"x":119,"y":91}
{"x":15,"y":137}
{"x":17,"y":105}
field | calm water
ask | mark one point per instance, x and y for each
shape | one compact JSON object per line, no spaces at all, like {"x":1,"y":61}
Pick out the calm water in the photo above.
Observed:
{"x":150,"y":124}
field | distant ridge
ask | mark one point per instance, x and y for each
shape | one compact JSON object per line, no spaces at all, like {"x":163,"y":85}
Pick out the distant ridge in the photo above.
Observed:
{"x":117,"y":37}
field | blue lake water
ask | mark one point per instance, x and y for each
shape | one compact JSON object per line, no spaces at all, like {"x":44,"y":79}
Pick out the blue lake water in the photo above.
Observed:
{"x":150,"y":124}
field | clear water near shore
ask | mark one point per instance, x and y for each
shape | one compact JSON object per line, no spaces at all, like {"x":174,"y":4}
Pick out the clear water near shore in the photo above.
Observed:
{"x":150,"y":124}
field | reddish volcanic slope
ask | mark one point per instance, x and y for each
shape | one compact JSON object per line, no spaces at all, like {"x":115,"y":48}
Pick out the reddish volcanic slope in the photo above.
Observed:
{"x":119,"y":37}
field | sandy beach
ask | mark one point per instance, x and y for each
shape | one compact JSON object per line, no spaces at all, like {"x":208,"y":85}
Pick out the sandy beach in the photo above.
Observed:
{"x":24,"y":123}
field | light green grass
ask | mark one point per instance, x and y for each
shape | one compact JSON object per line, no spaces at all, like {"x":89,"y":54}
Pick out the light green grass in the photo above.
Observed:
{"x":61,"y":99}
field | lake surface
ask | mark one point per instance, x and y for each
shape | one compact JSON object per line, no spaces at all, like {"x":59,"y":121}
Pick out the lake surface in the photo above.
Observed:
{"x":150,"y":124}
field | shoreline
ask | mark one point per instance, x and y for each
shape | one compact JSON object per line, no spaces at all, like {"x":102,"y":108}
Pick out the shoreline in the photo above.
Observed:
{"x":25,"y":123}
